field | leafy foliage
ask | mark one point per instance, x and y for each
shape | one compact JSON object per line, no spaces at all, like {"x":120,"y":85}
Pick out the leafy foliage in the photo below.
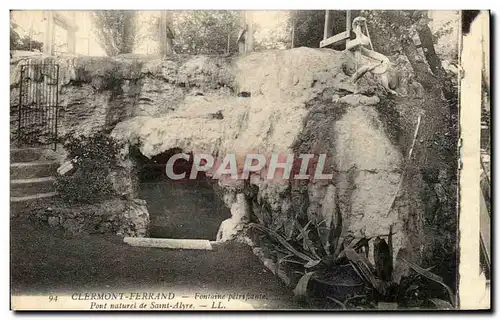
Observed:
{"x":14,"y":36}
{"x":275,"y":38}
{"x":92,"y":158}
{"x":309,"y":26}
{"x":28,"y":44}
{"x":22,"y":43}
{"x":397,"y":32}
{"x":115,"y":30}
{"x":206,"y":32}
{"x":394,"y":26}
{"x":201,"y":32}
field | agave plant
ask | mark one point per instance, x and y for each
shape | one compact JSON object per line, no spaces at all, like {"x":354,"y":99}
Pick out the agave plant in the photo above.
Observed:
{"x":389,"y":285}
{"x":304,"y":243}
{"x":341,"y":259}
{"x":318,"y":259}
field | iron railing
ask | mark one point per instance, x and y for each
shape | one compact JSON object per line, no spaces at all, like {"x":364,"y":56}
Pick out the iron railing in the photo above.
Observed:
{"x":38,"y":104}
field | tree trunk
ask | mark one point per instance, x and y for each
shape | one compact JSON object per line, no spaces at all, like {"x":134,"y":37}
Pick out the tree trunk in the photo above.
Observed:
{"x":435,"y":79}
{"x":425,"y":35}
{"x":127,"y":41}
{"x":428,"y":80}
{"x":166,"y":43}
{"x":169,"y":46}
{"x":426,"y":39}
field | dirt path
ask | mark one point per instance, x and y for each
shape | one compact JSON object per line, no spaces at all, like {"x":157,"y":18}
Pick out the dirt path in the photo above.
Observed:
{"x":43,"y":262}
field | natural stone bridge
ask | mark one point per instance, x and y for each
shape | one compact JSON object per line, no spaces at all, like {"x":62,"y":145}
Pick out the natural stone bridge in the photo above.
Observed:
{"x":295,"y":101}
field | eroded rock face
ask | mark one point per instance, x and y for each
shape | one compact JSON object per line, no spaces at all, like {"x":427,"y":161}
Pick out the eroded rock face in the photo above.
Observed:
{"x":96,"y":93}
{"x":135,"y":219}
{"x":121,"y":217}
{"x":301,"y":101}
{"x":296,"y":101}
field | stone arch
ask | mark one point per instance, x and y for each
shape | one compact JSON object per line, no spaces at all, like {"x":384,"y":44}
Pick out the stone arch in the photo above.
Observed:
{"x":184,"y":209}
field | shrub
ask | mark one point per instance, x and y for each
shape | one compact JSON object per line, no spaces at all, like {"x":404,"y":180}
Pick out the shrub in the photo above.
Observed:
{"x":93,"y":158}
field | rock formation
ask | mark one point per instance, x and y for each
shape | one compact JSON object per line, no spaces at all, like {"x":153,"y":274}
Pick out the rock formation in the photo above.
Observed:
{"x":121,"y":217}
{"x":296,"y":101}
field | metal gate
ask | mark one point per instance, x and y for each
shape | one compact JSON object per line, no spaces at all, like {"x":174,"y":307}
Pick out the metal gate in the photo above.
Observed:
{"x":38,"y":104}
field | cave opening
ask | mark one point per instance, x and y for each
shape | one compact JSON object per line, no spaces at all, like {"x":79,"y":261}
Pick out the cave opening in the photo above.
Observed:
{"x":178,"y":209}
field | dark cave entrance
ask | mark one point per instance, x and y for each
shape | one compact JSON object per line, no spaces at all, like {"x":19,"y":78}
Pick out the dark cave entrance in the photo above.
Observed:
{"x":178,"y":209}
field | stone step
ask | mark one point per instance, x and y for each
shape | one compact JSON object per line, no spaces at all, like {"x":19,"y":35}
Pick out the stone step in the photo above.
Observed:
{"x":28,"y":170}
{"x":27,"y":187}
{"x":25,"y":205}
{"x":37,"y":196}
{"x":32,"y":154}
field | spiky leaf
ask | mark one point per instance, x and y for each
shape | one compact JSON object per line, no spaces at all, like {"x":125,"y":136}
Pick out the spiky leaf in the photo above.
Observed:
{"x":335,"y":230}
{"x":311,"y":264}
{"x":431,"y":276}
{"x":300,"y":290}
{"x":307,"y":244}
{"x":282,"y":241}
{"x":401,"y":268}
{"x":365,"y":269}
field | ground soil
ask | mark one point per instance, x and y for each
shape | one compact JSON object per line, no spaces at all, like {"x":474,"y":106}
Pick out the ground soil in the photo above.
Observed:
{"x":45,"y":262}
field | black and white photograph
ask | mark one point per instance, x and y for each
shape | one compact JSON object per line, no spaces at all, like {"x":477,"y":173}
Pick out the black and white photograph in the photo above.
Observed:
{"x":217,"y":160}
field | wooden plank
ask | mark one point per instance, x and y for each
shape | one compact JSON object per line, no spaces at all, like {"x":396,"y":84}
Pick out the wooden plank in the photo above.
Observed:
{"x":190,"y":244}
{"x":336,"y":38}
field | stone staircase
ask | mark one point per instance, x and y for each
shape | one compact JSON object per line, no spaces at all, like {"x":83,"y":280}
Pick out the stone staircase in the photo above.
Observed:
{"x":32,"y":178}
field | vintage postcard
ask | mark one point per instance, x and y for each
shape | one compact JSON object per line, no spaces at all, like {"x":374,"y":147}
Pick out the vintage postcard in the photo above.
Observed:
{"x":250,"y":160}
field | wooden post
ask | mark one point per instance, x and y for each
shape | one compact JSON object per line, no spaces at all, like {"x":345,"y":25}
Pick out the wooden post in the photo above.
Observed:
{"x":71,"y":38}
{"x":71,"y":33}
{"x":166,"y":36}
{"x":249,"y":34}
{"x":328,"y":37}
{"x":88,"y":40}
{"x":241,"y":46}
{"x":31,"y":31}
{"x":242,"y":35}
{"x":163,"y":34}
{"x":348,"y":22}
{"x":328,"y":30}
{"x":48,"y":43}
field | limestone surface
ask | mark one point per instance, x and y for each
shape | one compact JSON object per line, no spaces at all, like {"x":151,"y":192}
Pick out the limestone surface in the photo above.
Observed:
{"x":298,"y":101}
